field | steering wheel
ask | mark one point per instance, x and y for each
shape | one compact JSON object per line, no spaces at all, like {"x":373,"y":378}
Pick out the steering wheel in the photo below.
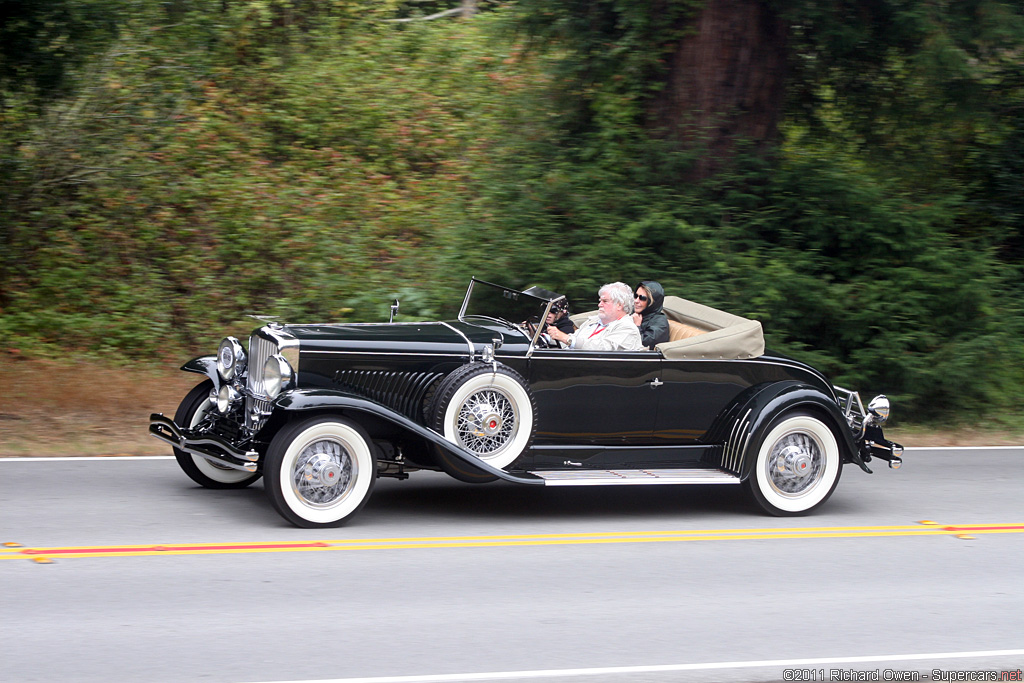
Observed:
{"x":544,"y":341}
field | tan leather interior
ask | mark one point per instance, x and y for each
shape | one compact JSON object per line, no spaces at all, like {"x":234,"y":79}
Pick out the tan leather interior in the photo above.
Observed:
{"x":677,"y":331}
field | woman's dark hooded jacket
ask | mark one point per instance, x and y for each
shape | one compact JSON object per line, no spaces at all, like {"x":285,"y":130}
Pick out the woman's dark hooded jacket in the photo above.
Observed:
{"x":654,"y":326}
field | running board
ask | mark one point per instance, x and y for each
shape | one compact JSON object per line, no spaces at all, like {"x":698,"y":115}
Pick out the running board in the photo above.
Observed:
{"x":634,"y":477}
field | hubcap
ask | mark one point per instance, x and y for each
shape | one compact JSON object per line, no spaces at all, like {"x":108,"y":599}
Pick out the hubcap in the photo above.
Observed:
{"x":483,"y":420}
{"x":323,"y":473}
{"x":795,"y":464}
{"x":486,"y":422}
{"x":322,"y":470}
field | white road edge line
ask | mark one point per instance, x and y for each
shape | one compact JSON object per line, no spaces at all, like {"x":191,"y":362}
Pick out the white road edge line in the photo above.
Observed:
{"x":665,"y":668}
{"x":963,"y":448}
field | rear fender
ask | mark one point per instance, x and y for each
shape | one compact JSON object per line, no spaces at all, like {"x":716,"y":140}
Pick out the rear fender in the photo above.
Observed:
{"x":753,"y":420}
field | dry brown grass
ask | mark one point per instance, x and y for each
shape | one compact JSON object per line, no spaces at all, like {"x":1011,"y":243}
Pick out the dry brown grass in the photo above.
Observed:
{"x":84,"y":408}
{"x":80,"y":407}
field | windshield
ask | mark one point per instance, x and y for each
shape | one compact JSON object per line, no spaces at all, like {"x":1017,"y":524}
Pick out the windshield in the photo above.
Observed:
{"x":507,"y":305}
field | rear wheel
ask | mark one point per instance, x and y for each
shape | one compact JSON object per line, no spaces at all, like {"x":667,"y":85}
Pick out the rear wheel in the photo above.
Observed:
{"x":798,"y":466}
{"x":194,"y":407}
{"x":320,"y":471}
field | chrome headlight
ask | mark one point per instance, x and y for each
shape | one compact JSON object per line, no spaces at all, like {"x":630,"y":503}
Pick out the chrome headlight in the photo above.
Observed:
{"x":230,"y":358}
{"x":226,"y":397}
{"x":879,"y":408}
{"x":277,"y":375}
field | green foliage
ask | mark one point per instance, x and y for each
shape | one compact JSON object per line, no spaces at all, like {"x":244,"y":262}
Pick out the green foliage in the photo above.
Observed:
{"x":607,"y":57}
{"x":43,"y":44}
{"x":312,"y":161}
{"x":187,"y":182}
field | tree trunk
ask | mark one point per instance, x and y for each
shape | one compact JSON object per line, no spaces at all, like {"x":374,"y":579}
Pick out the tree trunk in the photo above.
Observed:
{"x":726,"y":81}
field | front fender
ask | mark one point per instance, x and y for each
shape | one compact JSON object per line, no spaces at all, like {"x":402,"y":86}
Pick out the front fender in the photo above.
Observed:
{"x":204,"y":365}
{"x":764,"y":407}
{"x":333,"y":400}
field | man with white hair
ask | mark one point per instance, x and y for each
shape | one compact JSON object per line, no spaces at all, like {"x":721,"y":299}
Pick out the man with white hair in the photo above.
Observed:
{"x":612,"y":329}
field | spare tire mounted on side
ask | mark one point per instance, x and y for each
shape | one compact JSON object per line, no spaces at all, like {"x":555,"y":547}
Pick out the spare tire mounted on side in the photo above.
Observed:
{"x":487,"y":409}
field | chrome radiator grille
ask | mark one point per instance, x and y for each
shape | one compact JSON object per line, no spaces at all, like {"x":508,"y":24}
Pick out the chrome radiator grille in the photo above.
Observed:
{"x":257,"y":404}
{"x":260,"y":350}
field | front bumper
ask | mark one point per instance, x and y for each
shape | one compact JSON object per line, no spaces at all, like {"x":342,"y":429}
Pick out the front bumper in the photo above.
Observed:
{"x":210,"y":446}
{"x":877,"y":446}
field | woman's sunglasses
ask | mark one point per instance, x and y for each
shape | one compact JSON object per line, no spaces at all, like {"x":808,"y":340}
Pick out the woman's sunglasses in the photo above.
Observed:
{"x":642,"y":297}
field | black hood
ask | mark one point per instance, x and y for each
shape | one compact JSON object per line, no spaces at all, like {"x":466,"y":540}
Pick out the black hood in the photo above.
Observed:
{"x":657,"y":297}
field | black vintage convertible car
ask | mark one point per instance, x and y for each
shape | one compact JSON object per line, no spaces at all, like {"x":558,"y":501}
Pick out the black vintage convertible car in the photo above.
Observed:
{"x":322,"y":411}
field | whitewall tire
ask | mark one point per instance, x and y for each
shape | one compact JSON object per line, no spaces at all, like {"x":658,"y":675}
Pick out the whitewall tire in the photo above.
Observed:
{"x":488,"y":411}
{"x":798,"y":466}
{"x":320,"y":471}
{"x":194,"y":407}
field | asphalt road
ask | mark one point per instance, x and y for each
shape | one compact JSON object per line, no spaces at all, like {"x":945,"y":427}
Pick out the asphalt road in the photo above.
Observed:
{"x":123,"y":570}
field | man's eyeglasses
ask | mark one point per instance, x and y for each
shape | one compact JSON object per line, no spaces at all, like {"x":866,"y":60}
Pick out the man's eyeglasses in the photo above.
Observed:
{"x":642,"y":297}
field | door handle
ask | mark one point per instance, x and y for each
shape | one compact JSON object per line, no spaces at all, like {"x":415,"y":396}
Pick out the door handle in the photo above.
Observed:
{"x":655,"y":383}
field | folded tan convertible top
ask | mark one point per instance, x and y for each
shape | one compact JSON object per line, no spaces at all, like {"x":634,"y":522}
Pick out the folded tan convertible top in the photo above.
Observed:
{"x":699,"y":331}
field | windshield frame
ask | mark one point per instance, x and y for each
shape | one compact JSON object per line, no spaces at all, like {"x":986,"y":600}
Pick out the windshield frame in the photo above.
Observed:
{"x":514,"y":295}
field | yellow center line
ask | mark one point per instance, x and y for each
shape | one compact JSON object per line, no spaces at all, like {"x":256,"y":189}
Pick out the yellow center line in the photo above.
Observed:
{"x":508,"y":540}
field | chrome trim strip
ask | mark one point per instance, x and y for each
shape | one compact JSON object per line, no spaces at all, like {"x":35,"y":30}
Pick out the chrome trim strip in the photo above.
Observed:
{"x":540,"y":328}
{"x":386,"y":353}
{"x":742,"y":453}
{"x":560,"y":355}
{"x":464,"y":337}
{"x":634,"y":477}
{"x":573,"y":354}
{"x":737,"y":439}
{"x":604,"y":447}
{"x":406,"y":322}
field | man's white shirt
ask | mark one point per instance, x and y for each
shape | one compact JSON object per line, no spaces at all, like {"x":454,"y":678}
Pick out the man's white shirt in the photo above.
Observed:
{"x":618,"y":335}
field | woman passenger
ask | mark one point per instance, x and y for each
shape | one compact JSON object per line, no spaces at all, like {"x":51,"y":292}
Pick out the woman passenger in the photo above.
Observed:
{"x":647,"y":313}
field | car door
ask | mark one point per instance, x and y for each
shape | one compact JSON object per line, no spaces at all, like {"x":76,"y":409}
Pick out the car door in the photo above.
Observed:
{"x":692,"y":393}
{"x":588,"y":399}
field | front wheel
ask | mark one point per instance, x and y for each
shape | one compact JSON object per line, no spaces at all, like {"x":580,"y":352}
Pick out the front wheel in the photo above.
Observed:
{"x":194,"y":407}
{"x":798,"y":466}
{"x":320,"y":471}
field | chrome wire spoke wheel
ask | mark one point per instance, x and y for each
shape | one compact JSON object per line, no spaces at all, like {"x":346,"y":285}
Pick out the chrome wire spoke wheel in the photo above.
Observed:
{"x":486,"y":409}
{"x":323,"y":473}
{"x":486,"y":422}
{"x":795,"y":463}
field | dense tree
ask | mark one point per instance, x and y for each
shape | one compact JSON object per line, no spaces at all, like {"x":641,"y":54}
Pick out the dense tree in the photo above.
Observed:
{"x":42,"y":43}
{"x":707,"y":73}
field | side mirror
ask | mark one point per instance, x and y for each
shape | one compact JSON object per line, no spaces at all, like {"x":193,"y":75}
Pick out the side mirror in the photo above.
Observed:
{"x":394,"y":311}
